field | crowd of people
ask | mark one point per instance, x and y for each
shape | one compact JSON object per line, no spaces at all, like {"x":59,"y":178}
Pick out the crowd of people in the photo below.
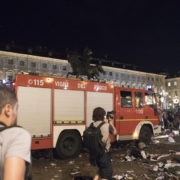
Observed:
{"x":170,"y":119}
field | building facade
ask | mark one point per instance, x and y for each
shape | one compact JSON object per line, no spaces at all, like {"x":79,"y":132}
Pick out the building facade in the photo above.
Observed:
{"x":134,"y":79}
{"x":173,"y":92}
{"x":12,"y":63}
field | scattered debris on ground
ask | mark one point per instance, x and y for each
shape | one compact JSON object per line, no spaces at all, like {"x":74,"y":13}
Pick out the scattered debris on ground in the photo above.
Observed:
{"x":131,"y":161}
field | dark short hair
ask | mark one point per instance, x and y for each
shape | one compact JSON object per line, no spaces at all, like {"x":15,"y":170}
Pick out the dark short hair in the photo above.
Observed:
{"x":7,"y":96}
{"x":98,"y":114}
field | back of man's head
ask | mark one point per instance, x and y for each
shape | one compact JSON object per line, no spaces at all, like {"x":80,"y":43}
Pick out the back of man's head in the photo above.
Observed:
{"x":7,"y":96}
{"x":98,"y":114}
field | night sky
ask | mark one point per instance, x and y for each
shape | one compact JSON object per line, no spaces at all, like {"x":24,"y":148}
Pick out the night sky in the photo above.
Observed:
{"x":145,"y":33}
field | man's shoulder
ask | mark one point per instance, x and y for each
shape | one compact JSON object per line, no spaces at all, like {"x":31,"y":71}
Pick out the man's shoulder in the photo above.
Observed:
{"x":105,"y":127}
{"x":19,"y":130}
{"x":17,"y":143}
{"x":15,"y":131}
{"x":104,"y":124}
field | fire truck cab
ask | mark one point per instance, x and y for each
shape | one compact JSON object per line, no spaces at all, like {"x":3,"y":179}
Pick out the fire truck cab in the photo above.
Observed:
{"x":136,"y":114}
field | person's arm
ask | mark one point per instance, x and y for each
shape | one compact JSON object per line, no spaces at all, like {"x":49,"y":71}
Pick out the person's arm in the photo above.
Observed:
{"x":113,"y":127}
{"x":105,"y":132}
{"x":14,"y":168}
{"x":18,"y":153}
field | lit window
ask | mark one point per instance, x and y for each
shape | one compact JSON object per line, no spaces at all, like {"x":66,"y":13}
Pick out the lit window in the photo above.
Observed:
{"x":126,"y":99}
{"x":10,"y":78}
{"x":33,"y":64}
{"x":21,"y":63}
{"x":44,"y":65}
{"x":10,"y":61}
{"x":169,"y":84}
{"x":117,"y":75}
{"x":176,"y":93}
{"x":110,"y":73}
{"x":64,"y":68}
{"x":54,"y":66}
{"x":175,"y":83}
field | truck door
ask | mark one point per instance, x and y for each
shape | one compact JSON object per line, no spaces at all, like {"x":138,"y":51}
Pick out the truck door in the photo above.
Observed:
{"x":129,"y":109}
{"x":151,"y":109}
{"x":124,"y":110}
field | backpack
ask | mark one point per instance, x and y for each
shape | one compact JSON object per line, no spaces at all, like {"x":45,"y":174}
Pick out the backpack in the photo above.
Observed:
{"x":92,"y":139}
{"x":28,"y":172}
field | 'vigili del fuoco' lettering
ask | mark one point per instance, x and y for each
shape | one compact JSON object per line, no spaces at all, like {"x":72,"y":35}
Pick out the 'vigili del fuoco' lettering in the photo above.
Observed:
{"x":61,"y":84}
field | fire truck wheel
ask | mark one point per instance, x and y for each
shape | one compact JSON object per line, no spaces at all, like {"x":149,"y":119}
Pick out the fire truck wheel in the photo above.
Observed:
{"x":68,"y":145}
{"x":145,"y":135}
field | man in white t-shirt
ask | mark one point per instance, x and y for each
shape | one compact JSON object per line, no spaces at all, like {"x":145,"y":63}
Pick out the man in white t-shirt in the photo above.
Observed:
{"x":15,"y":142}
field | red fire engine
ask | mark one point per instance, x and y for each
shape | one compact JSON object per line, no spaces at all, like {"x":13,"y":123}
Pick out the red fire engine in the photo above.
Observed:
{"x":56,"y":111}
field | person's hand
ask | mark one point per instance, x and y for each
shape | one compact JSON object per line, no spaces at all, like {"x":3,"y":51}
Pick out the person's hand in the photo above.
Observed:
{"x":110,"y":121}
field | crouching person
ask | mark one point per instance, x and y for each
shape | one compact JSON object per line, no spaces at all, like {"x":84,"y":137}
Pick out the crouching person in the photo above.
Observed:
{"x":15,"y":142}
{"x":96,"y":139}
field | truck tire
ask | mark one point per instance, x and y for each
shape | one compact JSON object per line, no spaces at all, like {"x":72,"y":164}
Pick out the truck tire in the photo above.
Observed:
{"x":145,"y":135}
{"x":68,"y":145}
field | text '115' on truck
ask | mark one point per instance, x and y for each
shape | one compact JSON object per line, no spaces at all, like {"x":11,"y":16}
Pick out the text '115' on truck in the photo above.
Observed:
{"x":56,"y":111}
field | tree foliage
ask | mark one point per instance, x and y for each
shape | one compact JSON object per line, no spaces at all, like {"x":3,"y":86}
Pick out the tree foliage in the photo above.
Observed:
{"x":80,"y":64}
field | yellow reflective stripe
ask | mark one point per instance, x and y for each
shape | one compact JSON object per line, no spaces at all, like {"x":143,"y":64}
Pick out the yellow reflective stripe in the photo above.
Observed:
{"x":68,"y":120}
{"x":136,"y":120}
